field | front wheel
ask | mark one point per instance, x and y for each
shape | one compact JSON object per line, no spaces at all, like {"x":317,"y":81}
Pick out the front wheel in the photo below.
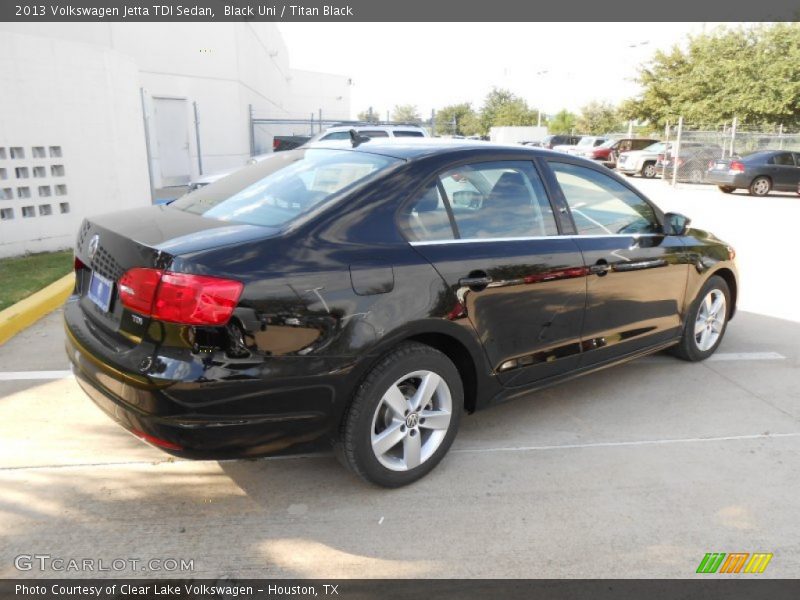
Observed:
{"x":403,"y":417}
{"x":706,"y":321}
{"x":649,"y":171}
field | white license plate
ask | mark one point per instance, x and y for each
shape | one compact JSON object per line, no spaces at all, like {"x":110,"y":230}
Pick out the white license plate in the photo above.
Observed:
{"x":100,"y":290}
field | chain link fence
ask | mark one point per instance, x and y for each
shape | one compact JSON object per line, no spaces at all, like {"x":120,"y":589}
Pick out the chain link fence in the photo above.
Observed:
{"x":693,"y":146}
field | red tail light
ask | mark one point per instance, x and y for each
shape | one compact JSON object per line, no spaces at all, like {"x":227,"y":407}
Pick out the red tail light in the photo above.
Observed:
{"x":275,"y":143}
{"x":151,"y":439}
{"x":736,"y":167}
{"x":179,"y":297}
{"x":78,"y":264}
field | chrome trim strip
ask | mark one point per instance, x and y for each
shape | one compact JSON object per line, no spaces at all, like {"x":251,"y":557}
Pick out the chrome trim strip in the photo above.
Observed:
{"x":534,"y":238}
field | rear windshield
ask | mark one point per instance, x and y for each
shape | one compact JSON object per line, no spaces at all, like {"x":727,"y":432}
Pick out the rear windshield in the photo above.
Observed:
{"x":284,"y":186}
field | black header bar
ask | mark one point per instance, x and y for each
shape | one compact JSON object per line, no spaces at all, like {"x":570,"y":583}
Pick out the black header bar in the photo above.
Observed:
{"x":489,"y":11}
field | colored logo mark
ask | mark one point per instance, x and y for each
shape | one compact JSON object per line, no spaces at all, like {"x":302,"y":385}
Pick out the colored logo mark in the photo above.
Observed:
{"x":735,"y":562}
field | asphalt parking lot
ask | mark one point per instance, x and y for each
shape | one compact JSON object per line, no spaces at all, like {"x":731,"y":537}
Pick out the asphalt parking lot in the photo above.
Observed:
{"x":637,"y":471}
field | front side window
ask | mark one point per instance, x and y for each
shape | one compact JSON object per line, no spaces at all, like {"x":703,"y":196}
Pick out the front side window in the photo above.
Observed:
{"x":283,"y":186}
{"x":601,"y":205}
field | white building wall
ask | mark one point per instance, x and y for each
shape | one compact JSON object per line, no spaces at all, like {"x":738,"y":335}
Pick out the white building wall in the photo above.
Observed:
{"x":84,"y":99}
{"x":92,"y":87}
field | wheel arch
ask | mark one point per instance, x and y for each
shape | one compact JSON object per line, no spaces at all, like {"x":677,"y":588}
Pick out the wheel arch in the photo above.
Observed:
{"x":455,"y":342}
{"x":461,"y":357}
{"x":733,"y":286}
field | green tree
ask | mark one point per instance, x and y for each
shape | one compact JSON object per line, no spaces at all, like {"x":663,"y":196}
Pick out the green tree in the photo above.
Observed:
{"x":504,"y":108}
{"x":562,"y":122}
{"x":598,"y":118}
{"x":751,"y":73}
{"x":369,"y":116}
{"x":457,"y":119}
{"x":406,"y":113}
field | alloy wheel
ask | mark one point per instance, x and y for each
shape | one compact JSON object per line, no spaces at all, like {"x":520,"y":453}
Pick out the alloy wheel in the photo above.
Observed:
{"x":411,"y":420}
{"x":761,"y":186}
{"x":710,"y":320}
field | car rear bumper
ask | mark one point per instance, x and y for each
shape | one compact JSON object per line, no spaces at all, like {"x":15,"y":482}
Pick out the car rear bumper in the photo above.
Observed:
{"x":627,"y":170}
{"x":208,"y":417}
{"x":738,"y":180}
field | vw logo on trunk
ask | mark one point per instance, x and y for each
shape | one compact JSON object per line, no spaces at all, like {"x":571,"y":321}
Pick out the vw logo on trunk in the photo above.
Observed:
{"x":94,"y":243}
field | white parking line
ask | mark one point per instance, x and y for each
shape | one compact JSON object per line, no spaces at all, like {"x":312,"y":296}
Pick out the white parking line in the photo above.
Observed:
{"x":720,"y":357}
{"x":746,"y":356}
{"x":728,"y":438}
{"x":33,"y":375}
{"x":490,"y":450}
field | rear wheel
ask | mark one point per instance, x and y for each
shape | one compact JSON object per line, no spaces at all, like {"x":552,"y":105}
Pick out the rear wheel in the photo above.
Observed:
{"x":649,"y":170}
{"x":403,"y":417}
{"x":726,"y":189}
{"x":706,"y":321}
{"x":760,"y":186}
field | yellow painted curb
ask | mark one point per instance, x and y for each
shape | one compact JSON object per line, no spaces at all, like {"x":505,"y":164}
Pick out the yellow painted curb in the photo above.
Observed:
{"x":26,"y":312}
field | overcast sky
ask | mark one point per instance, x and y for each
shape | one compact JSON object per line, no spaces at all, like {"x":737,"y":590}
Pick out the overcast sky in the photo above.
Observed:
{"x":551,"y":65}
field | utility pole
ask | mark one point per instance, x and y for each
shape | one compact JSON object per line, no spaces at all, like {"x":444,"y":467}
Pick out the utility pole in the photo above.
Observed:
{"x":677,"y":151}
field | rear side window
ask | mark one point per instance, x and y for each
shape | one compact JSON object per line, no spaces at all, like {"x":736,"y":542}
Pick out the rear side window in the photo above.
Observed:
{"x":408,"y":134}
{"x":784,"y":158}
{"x":499,"y":200}
{"x":601,"y":205}
{"x":284,"y":186}
{"x":337,"y":135}
{"x":375,"y":133}
{"x":425,"y":218}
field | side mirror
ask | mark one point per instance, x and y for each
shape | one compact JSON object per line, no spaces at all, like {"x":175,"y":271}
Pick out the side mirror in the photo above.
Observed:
{"x":677,"y":224}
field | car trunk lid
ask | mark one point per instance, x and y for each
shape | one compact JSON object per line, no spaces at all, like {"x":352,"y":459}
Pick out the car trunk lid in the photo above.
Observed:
{"x":110,"y":245}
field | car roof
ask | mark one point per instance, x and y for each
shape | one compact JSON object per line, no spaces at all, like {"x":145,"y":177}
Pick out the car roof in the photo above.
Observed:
{"x":362,"y":126}
{"x":413,"y":148}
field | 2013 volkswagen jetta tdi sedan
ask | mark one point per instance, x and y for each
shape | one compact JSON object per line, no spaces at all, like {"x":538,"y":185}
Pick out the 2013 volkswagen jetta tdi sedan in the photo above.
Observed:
{"x":367,"y":294}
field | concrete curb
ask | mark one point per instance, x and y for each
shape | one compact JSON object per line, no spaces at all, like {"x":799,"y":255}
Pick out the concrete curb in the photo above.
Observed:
{"x":26,"y":312}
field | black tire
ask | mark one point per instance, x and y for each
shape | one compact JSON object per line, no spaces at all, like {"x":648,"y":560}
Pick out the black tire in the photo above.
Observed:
{"x":760,"y":186}
{"x":726,"y":189}
{"x":649,"y":170}
{"x":354,"y":446}
{"x":689,"y":348}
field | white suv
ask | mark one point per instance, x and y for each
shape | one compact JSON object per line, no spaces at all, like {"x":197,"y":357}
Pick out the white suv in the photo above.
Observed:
{"x":342,"y":132}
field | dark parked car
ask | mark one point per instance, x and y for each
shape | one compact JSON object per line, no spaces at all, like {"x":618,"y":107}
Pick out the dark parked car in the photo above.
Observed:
{"x":759,"y":173}
{"x":692,"y":162}
{"x":366,"y":296}
{"x":281,"y":143}
{"x":550,"y":141}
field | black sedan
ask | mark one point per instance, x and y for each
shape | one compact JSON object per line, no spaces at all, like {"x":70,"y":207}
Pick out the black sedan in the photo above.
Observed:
{"x":366,"y":294}
{"x":759,"y":173}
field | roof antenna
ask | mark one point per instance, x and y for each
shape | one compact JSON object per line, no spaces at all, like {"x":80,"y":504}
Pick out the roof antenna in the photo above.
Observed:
{"x":356,"y":138}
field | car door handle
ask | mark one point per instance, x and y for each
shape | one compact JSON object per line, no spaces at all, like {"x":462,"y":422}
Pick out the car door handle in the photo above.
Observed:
{"x":641,"y":264}
{"x":475,"y":281}
{"x":599,"y":269}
